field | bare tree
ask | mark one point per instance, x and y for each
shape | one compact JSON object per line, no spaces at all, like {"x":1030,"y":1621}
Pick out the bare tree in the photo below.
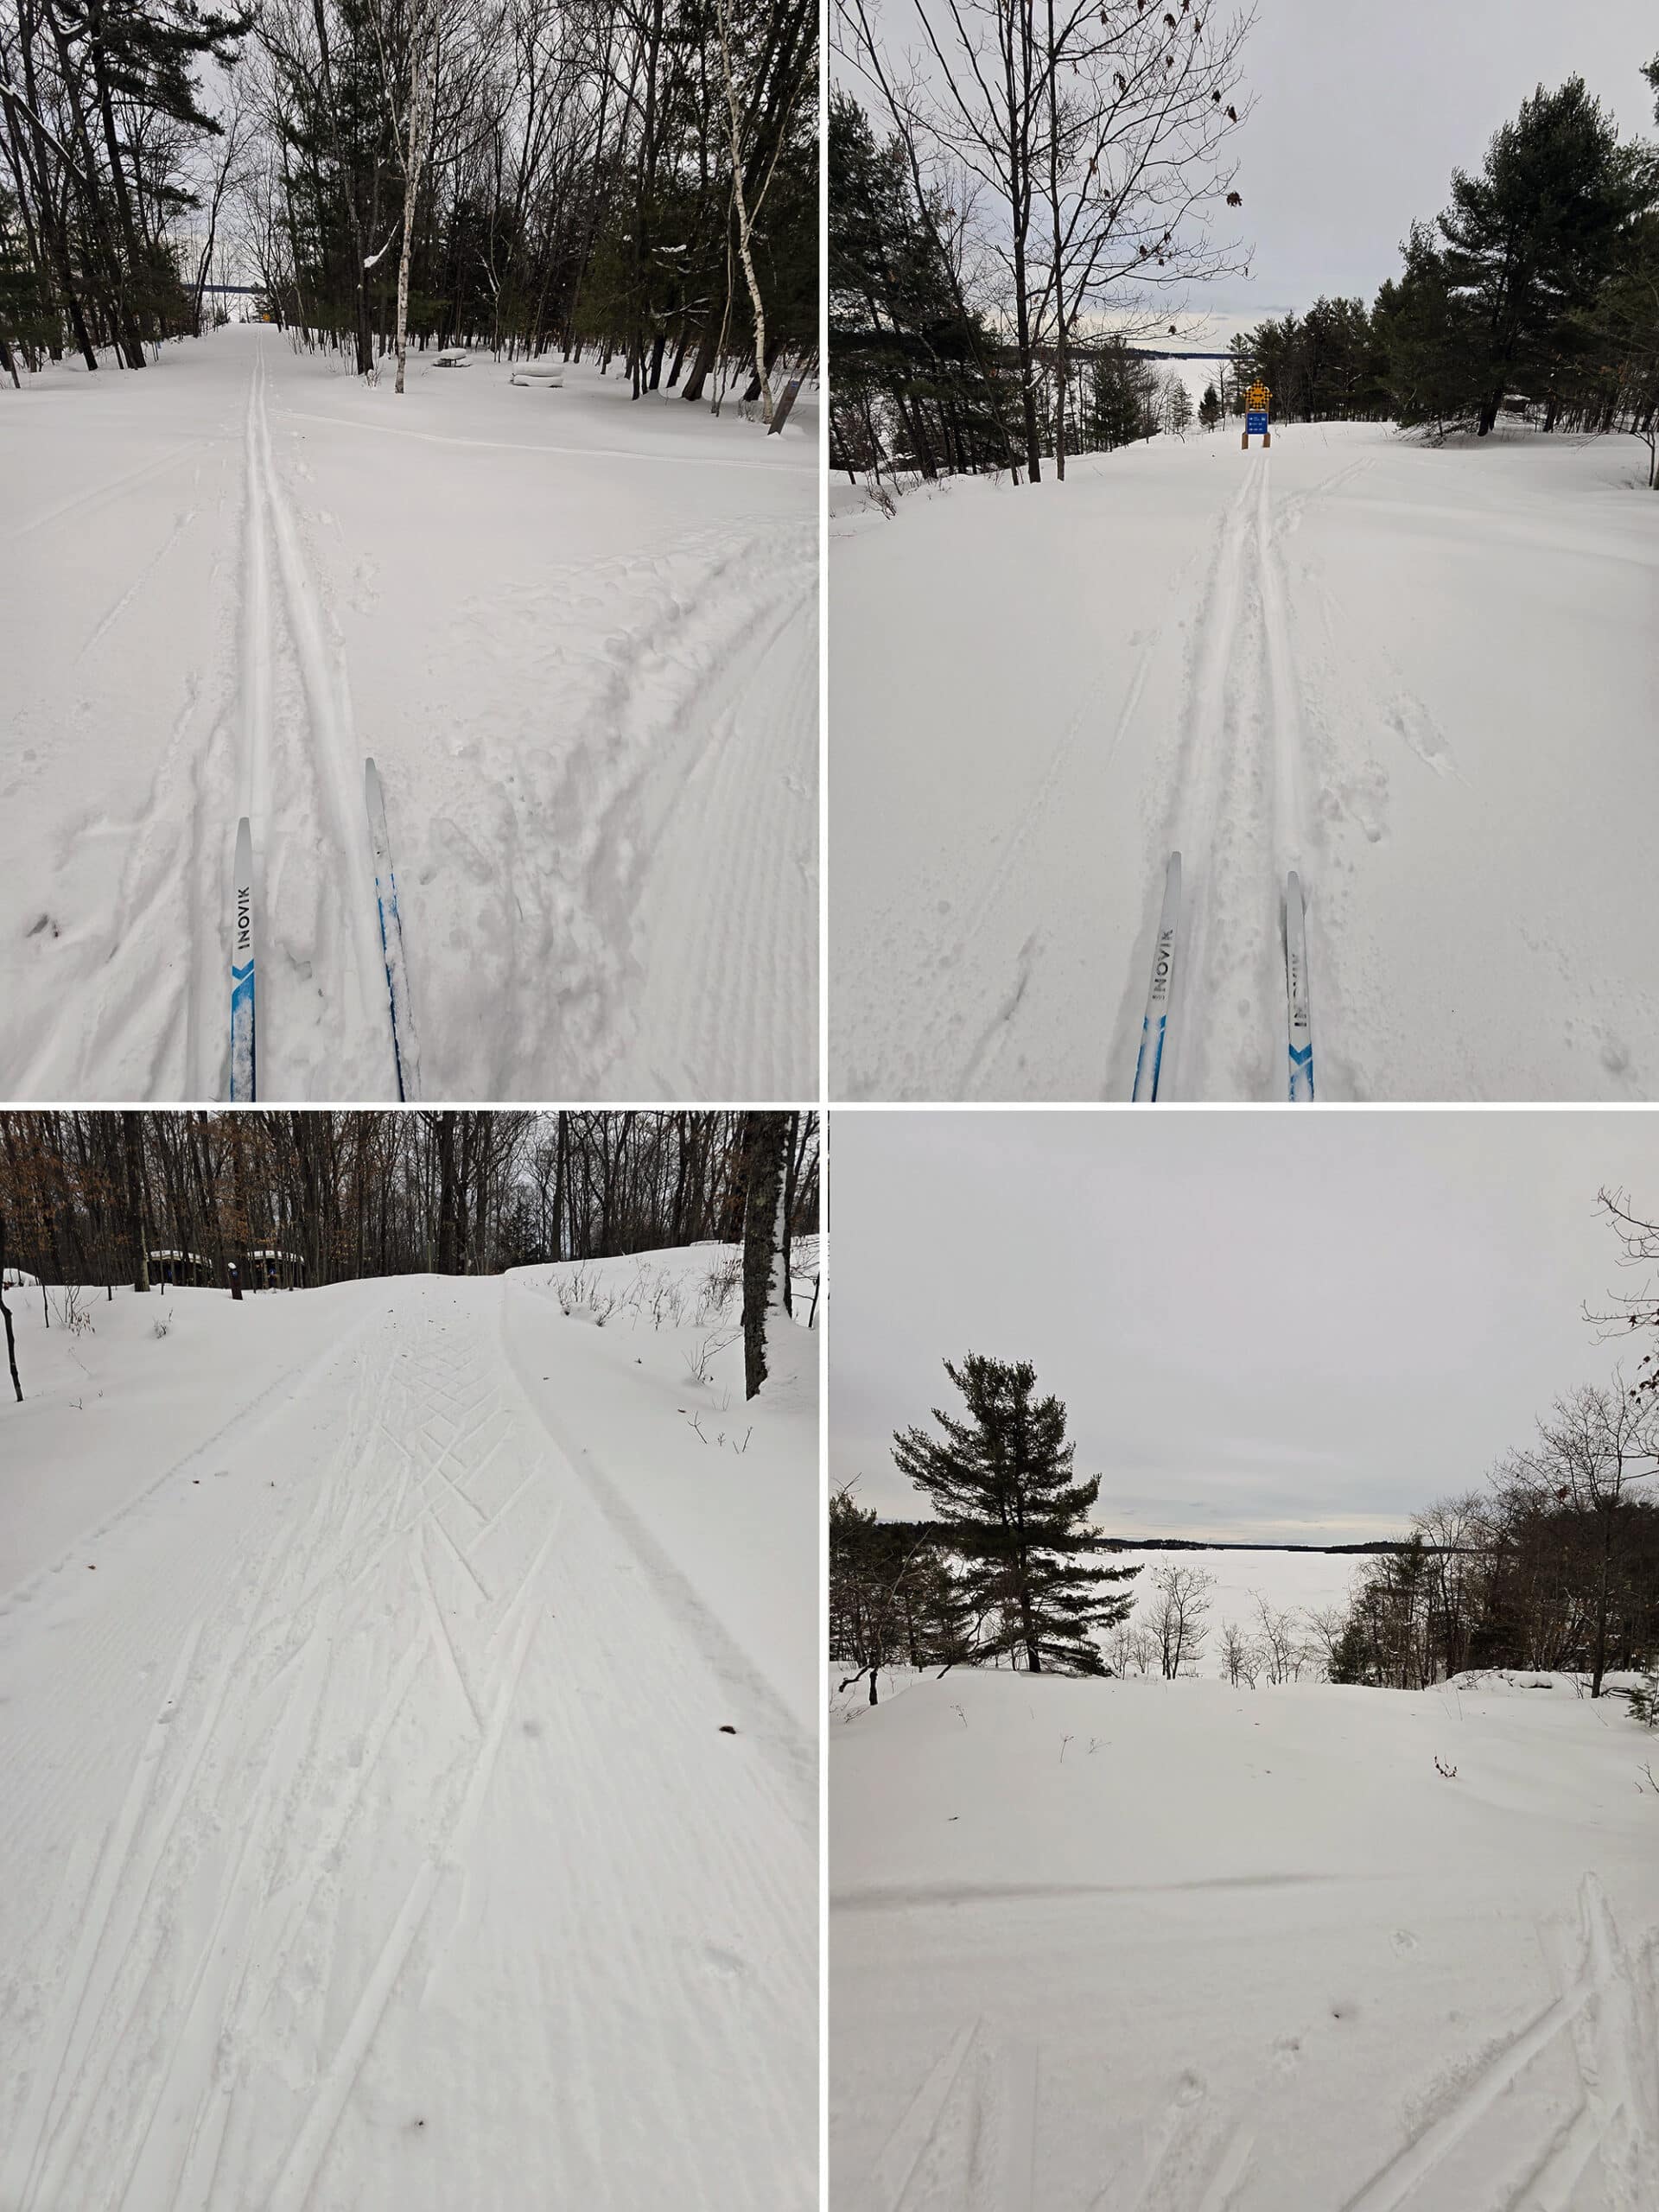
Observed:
{"x":1284,"y":1653}
{"x":1176,"y":1615}
{"x":1110,"y":118}
{"x":1241,"y":1655}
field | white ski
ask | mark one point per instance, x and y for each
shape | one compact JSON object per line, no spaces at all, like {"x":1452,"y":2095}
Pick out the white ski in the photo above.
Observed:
{"x":243,"y":1090}
{"x":1148,"y":1065}
{"x":1298,"y":1014}
{"x":403,"y":1048}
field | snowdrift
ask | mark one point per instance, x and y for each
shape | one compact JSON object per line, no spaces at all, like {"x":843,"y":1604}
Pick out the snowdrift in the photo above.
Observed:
{"x":1097,"y":1946}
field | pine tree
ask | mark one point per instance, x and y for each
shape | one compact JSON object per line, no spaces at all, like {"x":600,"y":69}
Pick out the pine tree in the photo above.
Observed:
{"x":1001,"y":1483}
{"x":1427,"y":337}
{"x":1350,"y":1657}
{"x":1209,"y":408}
{"x":1531,"y":238}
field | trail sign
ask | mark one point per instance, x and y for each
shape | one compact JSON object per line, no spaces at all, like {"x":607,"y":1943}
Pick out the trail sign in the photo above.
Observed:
{"x":1255,"y":417}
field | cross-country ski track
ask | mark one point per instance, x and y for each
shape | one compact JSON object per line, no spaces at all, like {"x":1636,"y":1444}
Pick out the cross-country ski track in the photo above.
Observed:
{"x":575,"y":632}
{"x":390,"y":1821}
{"x":1420,"y":678}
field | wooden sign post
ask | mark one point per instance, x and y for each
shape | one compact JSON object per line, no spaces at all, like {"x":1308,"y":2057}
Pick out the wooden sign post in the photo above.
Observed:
{"x":1255,"y":418}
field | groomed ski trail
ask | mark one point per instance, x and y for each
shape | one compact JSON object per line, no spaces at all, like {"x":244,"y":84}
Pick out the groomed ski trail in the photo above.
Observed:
{"x":303,"y":773}
{"x":1235,"y":813}
{"x":433,"y":1810}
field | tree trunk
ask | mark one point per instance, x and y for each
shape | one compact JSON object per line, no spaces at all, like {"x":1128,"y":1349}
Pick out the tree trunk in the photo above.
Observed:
{"x":137,"y":1242}
{"x":422,"y":70}
{"x":6,"y":1313}
{"x":766,"y":1142}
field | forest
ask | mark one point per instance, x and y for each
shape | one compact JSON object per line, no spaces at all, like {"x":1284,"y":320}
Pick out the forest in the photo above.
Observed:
{"x":313,"y":1198}
{"x":1533,"y":297}
{"x":1550,"y":1564}
{"x":634,"y":177}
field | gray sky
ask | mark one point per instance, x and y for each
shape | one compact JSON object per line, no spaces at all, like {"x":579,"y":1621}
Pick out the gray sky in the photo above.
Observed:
{"x":1268,"y":1325}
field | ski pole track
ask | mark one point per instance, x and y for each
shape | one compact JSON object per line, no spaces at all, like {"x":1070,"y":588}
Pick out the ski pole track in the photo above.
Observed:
{"x":108,"y":488}
{"x":229,"y":1986}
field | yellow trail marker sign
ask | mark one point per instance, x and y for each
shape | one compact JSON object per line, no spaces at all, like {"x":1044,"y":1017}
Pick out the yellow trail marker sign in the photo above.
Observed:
{"x":1255,"y":417}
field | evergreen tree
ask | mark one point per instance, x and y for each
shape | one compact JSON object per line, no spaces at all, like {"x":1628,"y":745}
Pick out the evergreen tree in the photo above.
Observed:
{"x":1209,"y":408}
{"x":1426,"y":337}
{"x":1529,"y":240}
{"x":1001,"y":1483}
{"x":911,"y":386}
{"x":1123,"y":398}
{"x":1350,"y":1655}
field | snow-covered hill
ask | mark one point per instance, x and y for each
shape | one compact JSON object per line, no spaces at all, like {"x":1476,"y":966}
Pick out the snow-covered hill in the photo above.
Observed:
{"x":1423,"y":678}
{"x":1150,"y":1947}
{"x":578,"y":634}
{"x":408,"y":1722}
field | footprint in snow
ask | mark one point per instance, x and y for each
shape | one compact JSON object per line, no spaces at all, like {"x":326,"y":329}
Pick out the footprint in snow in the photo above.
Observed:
{"x":1404,"y":1941}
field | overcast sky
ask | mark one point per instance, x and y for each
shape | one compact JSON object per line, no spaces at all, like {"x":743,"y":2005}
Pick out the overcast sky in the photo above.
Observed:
{"x":1361,"y":113}
{"x":1270,"y":1325}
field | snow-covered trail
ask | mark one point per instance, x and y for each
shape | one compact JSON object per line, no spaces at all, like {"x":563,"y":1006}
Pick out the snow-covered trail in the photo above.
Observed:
{"x":1170,"y":1948}
{"x":374,"y":1838}
{"x":1254,"y":659}
{"x":569,"y":629}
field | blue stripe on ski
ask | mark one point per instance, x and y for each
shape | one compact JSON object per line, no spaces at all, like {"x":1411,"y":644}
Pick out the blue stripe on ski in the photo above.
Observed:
{"x":1157,"y":1053}
{"x":392,"y":987}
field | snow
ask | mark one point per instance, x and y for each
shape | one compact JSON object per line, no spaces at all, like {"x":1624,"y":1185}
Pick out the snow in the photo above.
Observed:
{"x":1105,"y":1946}
{"x":367,"y":1658}
{"x":1422,"y":676}
{"x":581,"y":642}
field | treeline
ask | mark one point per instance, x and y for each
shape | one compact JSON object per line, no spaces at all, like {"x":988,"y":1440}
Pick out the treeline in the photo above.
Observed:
{"x":1535,"y":293}
{"x":639,"y":177}
{"x":313,"y":1198}
{"x":104,"y":153}
{"x":1554,"y":1566}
